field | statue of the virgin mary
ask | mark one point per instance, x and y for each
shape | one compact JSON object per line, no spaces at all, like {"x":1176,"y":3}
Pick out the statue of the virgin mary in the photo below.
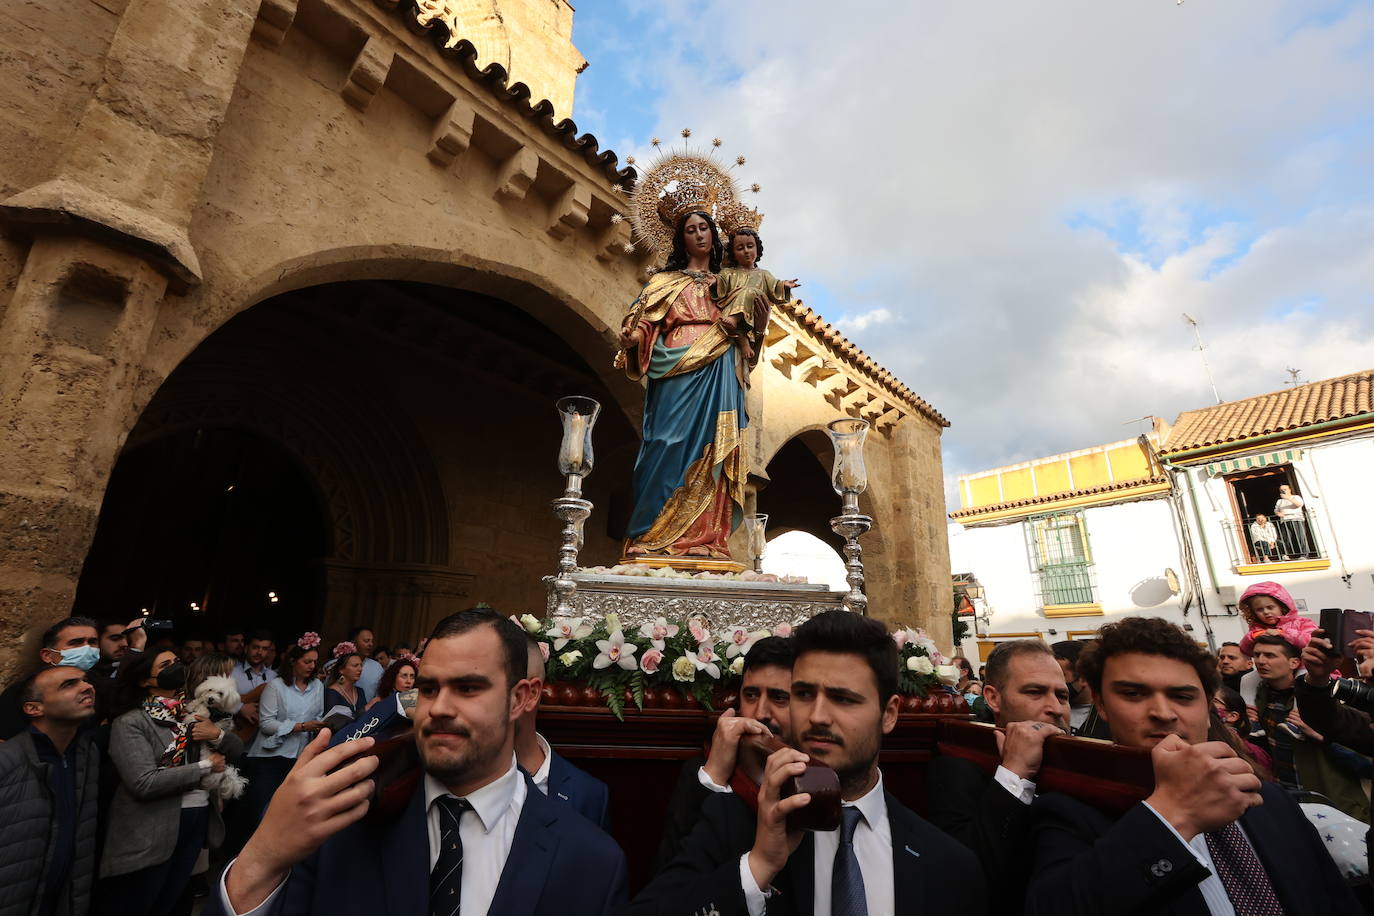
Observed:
{"x":690,"y":475}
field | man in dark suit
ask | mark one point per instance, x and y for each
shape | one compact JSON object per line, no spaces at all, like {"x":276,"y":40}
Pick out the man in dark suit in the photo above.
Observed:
{"x":475,"y":832}
{"x":883,"y":859}
{"x":552,"y":775}
{"x":764,"y":696}
{"x":1211,"y":838}
{"x":1029,"y":700}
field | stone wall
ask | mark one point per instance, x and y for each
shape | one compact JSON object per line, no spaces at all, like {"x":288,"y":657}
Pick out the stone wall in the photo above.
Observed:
{"x":219,"y":160}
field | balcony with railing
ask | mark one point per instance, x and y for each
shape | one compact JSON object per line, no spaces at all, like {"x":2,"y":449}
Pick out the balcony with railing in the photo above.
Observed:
{"x":1279,"y":545}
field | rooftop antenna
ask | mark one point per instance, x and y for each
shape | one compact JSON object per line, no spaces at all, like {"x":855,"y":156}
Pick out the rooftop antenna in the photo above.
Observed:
{"x":1294,"y":377}
{"x":1202,"y":349}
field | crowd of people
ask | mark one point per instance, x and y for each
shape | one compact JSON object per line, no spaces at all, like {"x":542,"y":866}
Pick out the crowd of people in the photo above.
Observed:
{"x":140,"y":776}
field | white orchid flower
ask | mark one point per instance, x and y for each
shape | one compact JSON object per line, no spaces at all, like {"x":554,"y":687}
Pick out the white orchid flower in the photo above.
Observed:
{"x":616,"y":651}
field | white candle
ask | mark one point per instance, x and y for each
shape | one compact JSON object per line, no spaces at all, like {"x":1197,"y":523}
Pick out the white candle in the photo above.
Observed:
{"x":577,"y":434}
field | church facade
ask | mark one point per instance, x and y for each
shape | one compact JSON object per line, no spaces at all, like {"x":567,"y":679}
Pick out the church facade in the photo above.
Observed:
{"x":287,"y":292}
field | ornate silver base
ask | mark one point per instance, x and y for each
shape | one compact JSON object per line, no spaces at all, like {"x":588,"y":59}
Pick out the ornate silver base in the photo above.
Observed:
{"x":573,"y":510}
{"x":720,"y":602}
{"x":850,"y":526}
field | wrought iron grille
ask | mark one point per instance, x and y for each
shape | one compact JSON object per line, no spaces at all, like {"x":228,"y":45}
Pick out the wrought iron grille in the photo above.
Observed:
{"x":1061,"y":558}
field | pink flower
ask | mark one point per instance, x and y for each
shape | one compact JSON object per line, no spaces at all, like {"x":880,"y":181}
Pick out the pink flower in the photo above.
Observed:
{"x":705,"y":658}
{"x":650,"y":660}
{"x":309,"y":640}
{"x":741,"y":639}
{"x":658,"y":631}
{"x":697,"y":627}
{"x":565,"y":629}
{"x":344,"y":648}
{"x":900,"y":638}
{"x":616,"y":651}
{"x":544,"y":650}
{"x":783,"y":629}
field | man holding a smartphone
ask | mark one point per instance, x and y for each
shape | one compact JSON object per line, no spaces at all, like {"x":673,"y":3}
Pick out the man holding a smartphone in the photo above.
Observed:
{"x":1338,"y":721}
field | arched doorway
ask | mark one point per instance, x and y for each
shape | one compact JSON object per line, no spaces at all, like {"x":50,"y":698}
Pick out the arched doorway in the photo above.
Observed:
{"x":419,"y":423}
{"x":205,"y":528}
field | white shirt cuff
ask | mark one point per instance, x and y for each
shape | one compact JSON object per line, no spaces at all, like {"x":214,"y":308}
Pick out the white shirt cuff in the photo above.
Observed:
{"x":258,"y":910}
{"x":204,"y":763}
{"x":1177,"y":835}
{"x":755,"y":899}
{"x":707,"y":782}
{"x":1023,"y":790}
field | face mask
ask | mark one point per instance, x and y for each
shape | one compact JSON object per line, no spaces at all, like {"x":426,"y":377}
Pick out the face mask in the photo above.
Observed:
{"x":83,"y":657}
{"x":173,"y":677}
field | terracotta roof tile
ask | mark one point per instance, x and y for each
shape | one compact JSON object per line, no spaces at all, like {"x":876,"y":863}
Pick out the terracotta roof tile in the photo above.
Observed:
{"x":1276,"y":412}
{"x":517,"y":95}
{"x":1049,"y":498}
{"x":844,"y":348}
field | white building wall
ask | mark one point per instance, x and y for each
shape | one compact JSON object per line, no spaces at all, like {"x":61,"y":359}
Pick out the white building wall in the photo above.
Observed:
{"x":1132,"y":545}
{"x":1337,"y":479}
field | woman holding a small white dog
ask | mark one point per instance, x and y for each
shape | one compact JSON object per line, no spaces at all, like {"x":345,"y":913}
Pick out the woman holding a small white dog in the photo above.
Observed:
{"x":161,"y":816}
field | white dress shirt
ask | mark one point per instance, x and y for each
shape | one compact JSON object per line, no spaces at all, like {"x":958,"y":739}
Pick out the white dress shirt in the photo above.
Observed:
{"x":247,"y":678}
{"x":1213,"y":891}
{"x":1023,"y":790}
{"x":371,"y":676}
{"x":872,"y":846}
{"x":487,"y":832}
{"x":540,"y":777}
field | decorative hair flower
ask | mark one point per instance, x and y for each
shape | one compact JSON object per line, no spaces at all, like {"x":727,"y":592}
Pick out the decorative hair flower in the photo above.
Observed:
{"x":344,"y":648}
{"x":309,"y":640}
{"x":412,"y":660}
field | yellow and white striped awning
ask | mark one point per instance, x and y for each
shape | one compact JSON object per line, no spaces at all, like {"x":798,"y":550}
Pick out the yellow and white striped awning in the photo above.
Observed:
{"x":1253,"y":462}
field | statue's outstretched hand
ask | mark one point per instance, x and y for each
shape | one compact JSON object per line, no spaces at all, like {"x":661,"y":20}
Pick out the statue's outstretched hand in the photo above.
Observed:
{"x":629,"y":339}
{"x":791,"y":284}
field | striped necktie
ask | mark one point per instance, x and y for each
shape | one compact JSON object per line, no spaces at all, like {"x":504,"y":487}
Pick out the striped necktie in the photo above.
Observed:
{"x":1241,"y":873}
{"x":847,"y":896}
{"x":446,"y":878}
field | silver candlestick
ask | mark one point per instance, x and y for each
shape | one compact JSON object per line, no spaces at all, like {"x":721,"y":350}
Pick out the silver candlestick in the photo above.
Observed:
{"x":849,"y":476}
{"x":578,"y":416}
{"x":756,"y":525}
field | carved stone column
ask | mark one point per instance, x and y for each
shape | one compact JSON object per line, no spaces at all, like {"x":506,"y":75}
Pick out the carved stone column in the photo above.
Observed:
{"x":108,"y":237}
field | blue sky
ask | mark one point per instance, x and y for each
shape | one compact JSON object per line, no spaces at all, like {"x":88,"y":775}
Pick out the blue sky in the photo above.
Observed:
{"x":1011,"y":206}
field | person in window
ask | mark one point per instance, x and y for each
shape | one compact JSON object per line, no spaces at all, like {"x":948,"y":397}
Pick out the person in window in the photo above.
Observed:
{"x":1292,"y":516}
{"x":1264,"y":536}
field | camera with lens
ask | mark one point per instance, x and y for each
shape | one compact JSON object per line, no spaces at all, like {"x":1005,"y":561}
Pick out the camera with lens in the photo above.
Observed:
{"x":1354,"y":693}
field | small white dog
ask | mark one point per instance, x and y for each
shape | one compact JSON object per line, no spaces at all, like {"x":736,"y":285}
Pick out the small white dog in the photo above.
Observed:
{"x":217,"y":698}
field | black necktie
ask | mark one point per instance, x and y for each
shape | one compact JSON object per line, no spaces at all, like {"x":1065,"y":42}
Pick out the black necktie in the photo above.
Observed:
{"x":1242,"y":873}
{"x":446,"y":877}
{"x":847,"y":881}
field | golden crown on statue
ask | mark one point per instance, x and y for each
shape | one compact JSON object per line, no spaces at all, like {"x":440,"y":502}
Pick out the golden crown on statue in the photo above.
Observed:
{"x":681,"y":181}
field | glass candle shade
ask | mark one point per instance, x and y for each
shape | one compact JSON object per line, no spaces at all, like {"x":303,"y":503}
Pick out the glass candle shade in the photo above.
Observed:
{"x":755,"y":526}
{"x":848,"y":474}
{"x":578,"y":416}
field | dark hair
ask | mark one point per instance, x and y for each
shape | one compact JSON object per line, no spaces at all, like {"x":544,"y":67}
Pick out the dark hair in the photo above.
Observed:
{"x":771,"y":650}
{"x":1235,"y":703}
{"x":730,"y":246}
{"x":232,"y":630}
{"x":1269,"y":640}
{"x":1225,"y":644}
{"x":844,"y":631}
{"x":288,"y":659}
{"x":262,"y":636}
{"x":966,"y":667}
{"x":1068,"y":649}
{"x":336,"y":664}
{"x":51,"y":633}
{"x":387,"y":685}
{"x":355,"y":630}
{"x":678,"y":259}
{"x":999,"y":662}
{"x":1148,"y":636}
{"x":512,"y":637}
{"x":129,"y":690}
{"x":28,"y":689}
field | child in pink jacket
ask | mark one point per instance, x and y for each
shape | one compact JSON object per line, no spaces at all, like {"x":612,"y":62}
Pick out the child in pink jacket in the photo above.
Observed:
{"x":1268,"y":608}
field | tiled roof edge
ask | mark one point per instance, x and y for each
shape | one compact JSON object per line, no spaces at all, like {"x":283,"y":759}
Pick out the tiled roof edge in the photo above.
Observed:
{"x":1057,"y":497}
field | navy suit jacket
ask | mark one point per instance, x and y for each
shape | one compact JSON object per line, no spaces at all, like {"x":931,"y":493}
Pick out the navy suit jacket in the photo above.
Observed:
{"x":559,"y":865}
{"x":584,"y":792}
{"x":1088,"y":863}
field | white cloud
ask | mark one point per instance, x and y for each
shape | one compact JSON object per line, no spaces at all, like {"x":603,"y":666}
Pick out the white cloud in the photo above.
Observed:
{"x":854,"y":324}
{"x":929,"y":162}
